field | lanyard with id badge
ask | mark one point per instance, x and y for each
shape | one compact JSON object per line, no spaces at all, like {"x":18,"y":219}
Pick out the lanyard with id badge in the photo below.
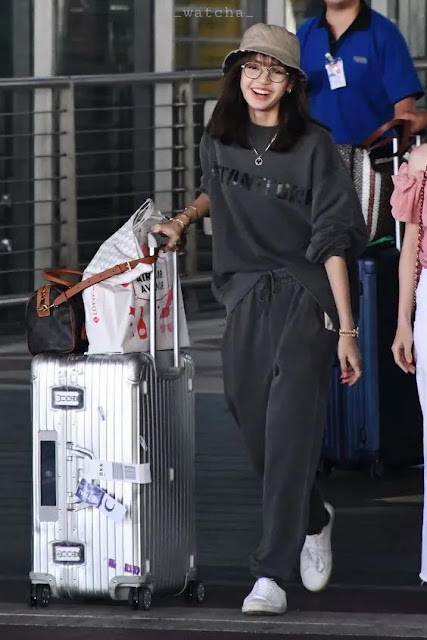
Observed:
{"x":335,"y":70}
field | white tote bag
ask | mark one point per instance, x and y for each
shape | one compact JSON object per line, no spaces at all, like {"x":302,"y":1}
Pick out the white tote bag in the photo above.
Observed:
{"x":117,"y":310}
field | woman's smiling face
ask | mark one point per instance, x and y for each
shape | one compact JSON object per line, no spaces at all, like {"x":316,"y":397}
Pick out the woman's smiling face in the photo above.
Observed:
{"x":262,"y":94}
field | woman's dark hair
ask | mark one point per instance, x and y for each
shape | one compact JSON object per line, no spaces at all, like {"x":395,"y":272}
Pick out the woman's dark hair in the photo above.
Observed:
{"x":230,"y":119}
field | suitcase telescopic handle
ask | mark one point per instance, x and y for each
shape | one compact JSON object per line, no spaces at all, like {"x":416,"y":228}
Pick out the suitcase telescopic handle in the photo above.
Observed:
{"x":397,"y":225}
{"x":156,"y":241}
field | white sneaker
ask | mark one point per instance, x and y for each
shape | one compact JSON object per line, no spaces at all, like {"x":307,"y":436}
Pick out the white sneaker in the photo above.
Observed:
{"x":266,"y":597}
{"x":316,"y":557}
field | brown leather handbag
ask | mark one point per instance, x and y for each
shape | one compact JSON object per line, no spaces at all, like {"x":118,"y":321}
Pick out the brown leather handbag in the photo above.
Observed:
{"x":55,"y":312}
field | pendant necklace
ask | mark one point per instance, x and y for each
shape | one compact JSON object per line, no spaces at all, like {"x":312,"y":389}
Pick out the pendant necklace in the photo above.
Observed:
{"x":258,"y":159}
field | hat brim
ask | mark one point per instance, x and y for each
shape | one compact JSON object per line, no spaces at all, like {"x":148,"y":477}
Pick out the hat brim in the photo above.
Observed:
{"x":234,"y":55}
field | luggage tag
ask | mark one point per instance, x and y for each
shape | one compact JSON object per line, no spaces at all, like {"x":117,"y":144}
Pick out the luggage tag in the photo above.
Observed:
{"x":98,"y":498}
{"x":90,"y":493}
{"x":335,"y":70}
{"x":107,"y":470}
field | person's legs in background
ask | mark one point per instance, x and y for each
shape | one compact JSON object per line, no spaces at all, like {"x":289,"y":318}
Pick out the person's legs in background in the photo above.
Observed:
{"x":420,"y":343}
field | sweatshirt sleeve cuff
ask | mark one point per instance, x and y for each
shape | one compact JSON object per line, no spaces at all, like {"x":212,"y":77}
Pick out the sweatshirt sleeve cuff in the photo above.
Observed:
{"x":326,"y":244}
{"x":340,"y":253}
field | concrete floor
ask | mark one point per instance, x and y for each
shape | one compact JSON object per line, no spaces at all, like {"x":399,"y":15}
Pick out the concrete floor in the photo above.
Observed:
{"x":375,"y":588}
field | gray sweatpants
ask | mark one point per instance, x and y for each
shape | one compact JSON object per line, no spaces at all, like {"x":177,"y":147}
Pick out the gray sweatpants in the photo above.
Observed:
{"x":277,"y":356}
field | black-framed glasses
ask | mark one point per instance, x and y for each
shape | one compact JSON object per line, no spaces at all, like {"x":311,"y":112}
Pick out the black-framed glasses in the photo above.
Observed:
{"x":254,"y":69}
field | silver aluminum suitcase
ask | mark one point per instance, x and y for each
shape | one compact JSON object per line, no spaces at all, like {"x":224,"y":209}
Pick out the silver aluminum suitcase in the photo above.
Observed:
{"x":133,"y":409}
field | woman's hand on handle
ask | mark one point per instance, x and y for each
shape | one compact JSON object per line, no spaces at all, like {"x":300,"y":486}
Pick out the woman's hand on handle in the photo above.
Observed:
{"x":402,"y":348}
{"x":350,"y":360}
{"x":176,"y":226}
{"x":173,"y":230}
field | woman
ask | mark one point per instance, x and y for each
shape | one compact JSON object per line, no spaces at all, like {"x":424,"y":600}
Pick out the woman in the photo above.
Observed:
{"x":409,"y":206}
{"x":285,"y":222}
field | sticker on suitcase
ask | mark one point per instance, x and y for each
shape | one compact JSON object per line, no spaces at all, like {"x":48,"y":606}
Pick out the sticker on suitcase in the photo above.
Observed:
{"x":133,"y":569}
{"x":128,"y":568}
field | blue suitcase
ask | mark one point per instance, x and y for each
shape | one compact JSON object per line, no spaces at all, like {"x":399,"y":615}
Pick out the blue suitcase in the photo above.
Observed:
{"x":378,"y":420}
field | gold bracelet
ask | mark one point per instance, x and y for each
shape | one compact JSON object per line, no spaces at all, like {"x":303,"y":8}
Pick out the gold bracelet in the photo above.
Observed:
{"x":192,"y":206}
{"x":352,"y":333}
{"x":188,"y":217}
{"x":184,"y":226}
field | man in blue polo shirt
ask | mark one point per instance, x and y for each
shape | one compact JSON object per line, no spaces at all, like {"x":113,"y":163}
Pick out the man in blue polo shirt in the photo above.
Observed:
{"x":359,"y":68}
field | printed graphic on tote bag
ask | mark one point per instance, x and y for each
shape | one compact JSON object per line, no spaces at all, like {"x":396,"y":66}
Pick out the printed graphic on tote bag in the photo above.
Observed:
{"x":138,"y":325}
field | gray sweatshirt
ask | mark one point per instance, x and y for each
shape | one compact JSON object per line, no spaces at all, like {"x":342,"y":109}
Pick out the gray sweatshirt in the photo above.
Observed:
{"x":294,"y":211}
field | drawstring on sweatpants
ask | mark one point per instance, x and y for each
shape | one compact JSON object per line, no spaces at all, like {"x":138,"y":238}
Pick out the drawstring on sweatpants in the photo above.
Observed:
{"x":268,"y":287}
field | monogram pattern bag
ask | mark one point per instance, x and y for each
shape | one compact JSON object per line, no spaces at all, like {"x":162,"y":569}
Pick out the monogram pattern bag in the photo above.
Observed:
{"x":55,"y":316}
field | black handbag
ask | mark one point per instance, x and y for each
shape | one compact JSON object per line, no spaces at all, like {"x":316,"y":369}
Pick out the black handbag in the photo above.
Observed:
{"x":55,"y":312}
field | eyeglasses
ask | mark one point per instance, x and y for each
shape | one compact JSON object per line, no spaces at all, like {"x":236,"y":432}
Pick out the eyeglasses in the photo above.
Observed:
{"x":253,"y":71}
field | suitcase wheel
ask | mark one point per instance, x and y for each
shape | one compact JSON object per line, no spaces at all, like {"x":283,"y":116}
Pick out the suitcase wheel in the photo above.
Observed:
{"x":195,"y":592}
{"x":145,"y":598}
{"x":40,"y":595}
{"x":140,"y":598}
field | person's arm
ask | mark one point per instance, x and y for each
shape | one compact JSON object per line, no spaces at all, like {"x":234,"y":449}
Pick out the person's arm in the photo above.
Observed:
{"x":407,"y":105}
{"x":175,"y":227}
{"x":399,"y":76}
{"x":418,"y":120}
{"x":348,"y":352}
{"x":338,"y":237}
{"x":403,"y":341}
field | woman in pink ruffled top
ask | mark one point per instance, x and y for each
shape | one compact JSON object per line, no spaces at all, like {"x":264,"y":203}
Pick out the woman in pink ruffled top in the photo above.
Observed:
{"x":410,"y":345}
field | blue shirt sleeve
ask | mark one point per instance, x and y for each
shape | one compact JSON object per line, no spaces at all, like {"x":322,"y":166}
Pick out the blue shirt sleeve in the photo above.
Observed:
{"x":302,"y":31}
{"x":399,"y":74}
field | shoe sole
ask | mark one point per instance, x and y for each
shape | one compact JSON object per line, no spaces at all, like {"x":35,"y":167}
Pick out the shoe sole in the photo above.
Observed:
{"x":263,"y":612}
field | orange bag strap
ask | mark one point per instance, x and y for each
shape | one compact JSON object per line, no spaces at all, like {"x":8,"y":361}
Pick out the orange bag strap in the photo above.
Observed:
{"x":55,"y":276}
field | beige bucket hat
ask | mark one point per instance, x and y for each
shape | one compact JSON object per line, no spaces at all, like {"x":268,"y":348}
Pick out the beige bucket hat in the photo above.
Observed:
{"x":270,"y":40}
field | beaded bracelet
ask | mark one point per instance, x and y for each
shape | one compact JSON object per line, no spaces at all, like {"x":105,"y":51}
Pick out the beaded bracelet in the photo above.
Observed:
{"x":184,"y":226}
{"x":352,"y":333}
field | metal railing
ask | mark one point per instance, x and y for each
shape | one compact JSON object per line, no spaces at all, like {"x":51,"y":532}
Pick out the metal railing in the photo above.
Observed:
{"x":79,"y":154}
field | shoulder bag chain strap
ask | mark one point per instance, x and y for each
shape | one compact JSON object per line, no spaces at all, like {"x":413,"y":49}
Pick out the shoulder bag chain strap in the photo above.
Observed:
{"x":420,"y":235}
